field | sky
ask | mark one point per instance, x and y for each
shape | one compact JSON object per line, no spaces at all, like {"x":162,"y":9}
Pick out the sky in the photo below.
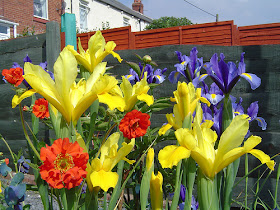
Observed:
{"x":242,"y":12}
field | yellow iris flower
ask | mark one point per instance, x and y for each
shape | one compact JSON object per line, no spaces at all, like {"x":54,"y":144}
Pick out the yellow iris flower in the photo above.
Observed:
{"x":131,"y":94}
{"x":199,"y":144}
{"x":100,"y":171}
{"x":72,"y":99}
{"x":156,"y":191}
{"x":186,"y":98}
{"x":18,"y":98}
{"x":97,"y":50}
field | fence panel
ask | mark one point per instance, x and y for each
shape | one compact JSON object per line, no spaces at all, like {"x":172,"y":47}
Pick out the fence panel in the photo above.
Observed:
{"x":121,"y":36}
{"x":260,"y":34}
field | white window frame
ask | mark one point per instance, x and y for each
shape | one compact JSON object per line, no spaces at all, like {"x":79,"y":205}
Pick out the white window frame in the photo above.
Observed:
{"x":126,"y":21}
{"x":8,"y":25}
{"x":45,"y":2}
{"x":83,"y":5}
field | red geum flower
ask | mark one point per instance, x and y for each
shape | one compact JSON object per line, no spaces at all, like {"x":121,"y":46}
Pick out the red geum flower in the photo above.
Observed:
{"x":7,"y":161}
{"x":64,"y":164}
{"x":41,"y":109}
{"x":134,"y":124}
{"x":13,"y":75}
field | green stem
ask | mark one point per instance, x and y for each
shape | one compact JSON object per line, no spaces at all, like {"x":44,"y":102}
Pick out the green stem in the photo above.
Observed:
{"x":246,"y":179}
{"x":276,"y":187}
{"x":26,"y":134}
{"x":105,"y":137}
{"x":142,"y":72}
{"x":178,"y":179}
{"x":14,"y":160}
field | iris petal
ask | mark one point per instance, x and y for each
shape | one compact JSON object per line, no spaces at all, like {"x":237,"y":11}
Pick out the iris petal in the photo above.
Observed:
{"x":171,"y":155}
{"x":254,"y":81}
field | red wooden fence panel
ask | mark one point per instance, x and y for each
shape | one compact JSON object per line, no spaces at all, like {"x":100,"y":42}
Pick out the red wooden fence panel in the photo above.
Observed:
{"x":218,"y":33}
{"x":260,"y":34}
{"x":121,"y":36}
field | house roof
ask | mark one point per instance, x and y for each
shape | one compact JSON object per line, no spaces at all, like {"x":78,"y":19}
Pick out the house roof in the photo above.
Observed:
{"x":122,"y":7}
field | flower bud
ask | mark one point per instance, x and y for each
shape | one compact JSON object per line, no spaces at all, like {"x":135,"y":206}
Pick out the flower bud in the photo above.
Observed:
{"x":150,"y":158}
{"x":147,"y":59}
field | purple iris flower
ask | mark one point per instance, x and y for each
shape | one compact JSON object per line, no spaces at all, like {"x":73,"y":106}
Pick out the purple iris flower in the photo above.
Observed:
{"x":188,"y":66}
{"x":214,"y":95}
{"x":252,"y":111}
{"x":132,"y":76}
{"x":194,"y":204}
{"x":27,"y":59}
{"x":226,"y":75}
{"x":215,"y":116}
{"x":153,"y":76}
{"x":23,"y":165}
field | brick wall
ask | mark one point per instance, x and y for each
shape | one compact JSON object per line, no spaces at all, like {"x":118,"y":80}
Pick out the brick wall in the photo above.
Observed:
{"x":21,"y":12}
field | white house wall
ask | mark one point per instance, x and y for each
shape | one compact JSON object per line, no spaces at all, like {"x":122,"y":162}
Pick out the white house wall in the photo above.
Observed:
{"x":100,"y":14}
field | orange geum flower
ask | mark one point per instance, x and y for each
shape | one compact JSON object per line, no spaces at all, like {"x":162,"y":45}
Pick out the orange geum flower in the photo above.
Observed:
{"x":41,"y":109}
{"x":64,"y":164}
{"x":134,"y":124}
{"x":13,"y":75}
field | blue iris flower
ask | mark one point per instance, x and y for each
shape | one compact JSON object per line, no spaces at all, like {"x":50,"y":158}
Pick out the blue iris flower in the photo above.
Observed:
{"x":43,"y":65}
{"x":194,"y":203}
{"x":23,"y":165}
{"x":252,"y":111}
{"x":153,"y":76}
{"x":188,"y":66}
{"x":132,"y":76}
{"x":226,"y":75}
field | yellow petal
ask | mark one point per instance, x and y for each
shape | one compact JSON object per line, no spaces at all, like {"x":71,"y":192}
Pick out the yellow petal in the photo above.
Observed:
{"x":81,"y":58}
{"x":164,"y":128}
{"x":227,"y":159}
{"x":41,"y":81}
{"x":204,"y":162}
{"x":251,"y":142}
{"x":105,"y":148}
{"x":113,"y":101}
{"x":89,"y":171}
{"x":146,"y":98}
{"x":264,"y":158}
{"x":170,"y":155}
{"x":17,"y":99}
{"x":96,"y":46}
{"x":185,"y":138}
{"x":123,"y":151}
{"x":234,"y":135}
{"x":103,"y":179}
{"x":65,"y":73}
{"x":81,"y":142}
{"x":156,"y":191}
{"x":150,"y":158}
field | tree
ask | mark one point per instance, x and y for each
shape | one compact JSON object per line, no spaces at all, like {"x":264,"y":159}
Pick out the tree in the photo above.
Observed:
{"x":166,"y":22}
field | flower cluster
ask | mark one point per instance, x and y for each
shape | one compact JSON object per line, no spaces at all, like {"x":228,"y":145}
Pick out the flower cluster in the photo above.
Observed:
{"x":99,"y":148}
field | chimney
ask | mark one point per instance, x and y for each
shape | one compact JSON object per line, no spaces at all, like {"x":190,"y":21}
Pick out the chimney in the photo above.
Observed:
{"x":137,"y":6}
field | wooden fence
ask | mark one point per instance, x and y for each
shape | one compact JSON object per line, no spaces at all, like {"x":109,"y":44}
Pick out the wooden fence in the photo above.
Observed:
{"x":218,"y":33}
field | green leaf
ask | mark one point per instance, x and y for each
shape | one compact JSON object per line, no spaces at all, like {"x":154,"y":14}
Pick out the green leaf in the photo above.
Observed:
{"x":17,"y":179}
{"x":135,"y":67}
{"x":145,"y":187}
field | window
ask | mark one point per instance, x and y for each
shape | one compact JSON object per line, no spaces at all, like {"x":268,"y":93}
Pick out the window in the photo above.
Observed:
{"x":126,"y":21}
{"x":84,"y":9}
{"x":4,"y":32}
{"x":40,"y":8}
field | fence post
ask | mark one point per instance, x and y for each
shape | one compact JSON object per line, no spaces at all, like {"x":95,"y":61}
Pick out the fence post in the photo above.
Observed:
{"x":52,"y":43}
{"x":68,"y":25}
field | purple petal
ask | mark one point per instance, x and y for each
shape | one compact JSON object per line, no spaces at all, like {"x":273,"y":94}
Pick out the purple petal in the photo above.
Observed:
{"x":254,"y":81}
{"x":261,"y":123}
{"x":27,"y":59}
{"x":253,"y":109}
{"x":174,"y":77}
